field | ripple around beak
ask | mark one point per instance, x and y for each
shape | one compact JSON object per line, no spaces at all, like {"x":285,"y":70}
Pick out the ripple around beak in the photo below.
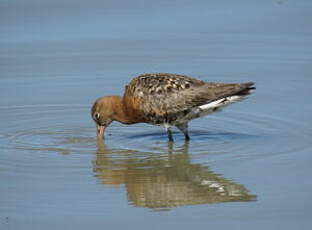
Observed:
{"x":100,"y":129}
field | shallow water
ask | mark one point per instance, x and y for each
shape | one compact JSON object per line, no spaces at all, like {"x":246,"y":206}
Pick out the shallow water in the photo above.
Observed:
{"x":246,"y":167}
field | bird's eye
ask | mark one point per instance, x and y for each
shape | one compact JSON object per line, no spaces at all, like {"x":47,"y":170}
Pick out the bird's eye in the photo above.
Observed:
{"x":96,"y":116}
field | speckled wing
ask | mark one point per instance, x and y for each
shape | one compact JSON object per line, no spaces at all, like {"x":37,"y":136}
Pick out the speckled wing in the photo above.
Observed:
{"x":162,"y":97}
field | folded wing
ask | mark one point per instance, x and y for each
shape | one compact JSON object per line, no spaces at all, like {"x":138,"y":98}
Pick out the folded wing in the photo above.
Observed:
{"x":165,"y":95}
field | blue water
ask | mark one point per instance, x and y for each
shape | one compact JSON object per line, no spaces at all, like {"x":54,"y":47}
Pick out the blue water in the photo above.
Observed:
{"x":247,"y":167}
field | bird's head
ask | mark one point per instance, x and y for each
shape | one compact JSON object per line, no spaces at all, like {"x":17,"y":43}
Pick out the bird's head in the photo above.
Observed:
{"x":102,"y":113}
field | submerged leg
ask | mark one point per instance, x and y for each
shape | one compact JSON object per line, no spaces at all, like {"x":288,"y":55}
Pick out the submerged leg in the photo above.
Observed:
{"x":184,"y":129}
{"x":168,"y":129}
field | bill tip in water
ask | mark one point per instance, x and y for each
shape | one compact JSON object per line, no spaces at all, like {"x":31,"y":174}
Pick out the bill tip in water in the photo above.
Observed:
{"x":100,"y":129}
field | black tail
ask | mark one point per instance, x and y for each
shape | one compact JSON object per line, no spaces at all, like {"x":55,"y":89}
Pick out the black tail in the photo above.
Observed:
{"x":247,"y":89}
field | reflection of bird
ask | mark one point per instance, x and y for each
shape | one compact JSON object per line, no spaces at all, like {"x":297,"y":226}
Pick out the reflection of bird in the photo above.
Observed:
{"x":165,"y":181}
{"x":167,"y":100}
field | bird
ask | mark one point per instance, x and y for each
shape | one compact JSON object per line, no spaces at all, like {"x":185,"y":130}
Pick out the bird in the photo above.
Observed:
{"x":168,"y":100}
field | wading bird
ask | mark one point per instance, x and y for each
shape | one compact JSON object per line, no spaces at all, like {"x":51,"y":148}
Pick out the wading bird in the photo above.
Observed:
{"x":167,"y":100}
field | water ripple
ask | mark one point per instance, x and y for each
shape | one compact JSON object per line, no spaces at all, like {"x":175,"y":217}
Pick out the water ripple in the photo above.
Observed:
{"x":231,"y":132}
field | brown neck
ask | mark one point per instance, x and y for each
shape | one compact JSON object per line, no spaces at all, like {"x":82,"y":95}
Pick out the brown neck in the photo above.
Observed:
{"x":120,"y":111}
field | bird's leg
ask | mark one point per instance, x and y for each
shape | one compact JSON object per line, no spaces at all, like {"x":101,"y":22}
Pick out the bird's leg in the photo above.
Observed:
{"x":184,"y":129}
{"x":170,"y":135}
{"x":168,"y":129}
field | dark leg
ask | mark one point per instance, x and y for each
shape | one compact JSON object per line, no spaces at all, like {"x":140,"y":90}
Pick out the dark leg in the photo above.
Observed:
{"x":169,"y":134}
{"x":187,"y":137}
{"x":184,"y":129}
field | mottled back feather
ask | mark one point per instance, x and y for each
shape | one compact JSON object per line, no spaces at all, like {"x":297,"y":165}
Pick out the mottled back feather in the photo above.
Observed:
{"x":163,"y":97}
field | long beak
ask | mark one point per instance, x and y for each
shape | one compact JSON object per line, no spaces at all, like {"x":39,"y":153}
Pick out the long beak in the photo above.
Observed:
{"x":100,"y":129}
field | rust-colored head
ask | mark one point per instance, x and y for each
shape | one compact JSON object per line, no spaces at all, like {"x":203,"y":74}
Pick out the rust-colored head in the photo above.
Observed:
{"x":102,"y":113}
{"x":105,"y":110}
